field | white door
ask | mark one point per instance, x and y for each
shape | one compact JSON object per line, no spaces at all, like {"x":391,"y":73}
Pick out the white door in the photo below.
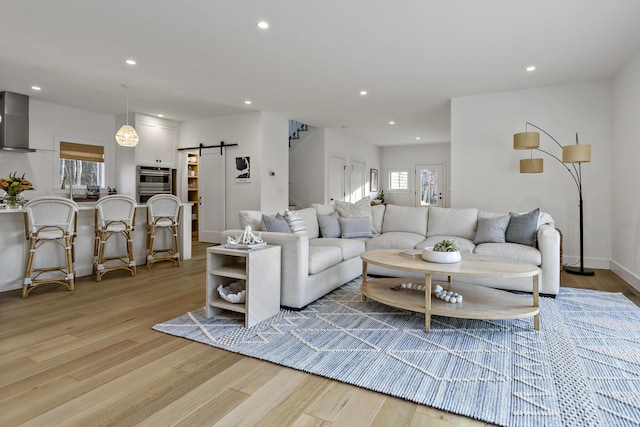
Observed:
{"x":357,"y":180}
{"x":211,"y":190}
{"x":336,"y":178}
{"x":430,"y":185}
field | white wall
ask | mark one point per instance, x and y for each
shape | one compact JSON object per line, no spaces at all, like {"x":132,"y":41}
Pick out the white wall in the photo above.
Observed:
{"x":248,"y":130}
{"x":48,"y":125}
{"x":275,"y":159}
{"x":625,"y":250}
{"x":307,"y":170}
{"x":485,"y":168}
{"x":407,"y":157}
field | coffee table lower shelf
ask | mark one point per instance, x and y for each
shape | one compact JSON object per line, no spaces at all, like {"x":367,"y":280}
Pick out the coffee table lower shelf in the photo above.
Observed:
{"x":478,"y":302}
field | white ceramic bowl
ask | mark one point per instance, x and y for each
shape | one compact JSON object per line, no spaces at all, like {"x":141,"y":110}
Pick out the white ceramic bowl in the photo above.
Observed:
{"x":428,"y":254}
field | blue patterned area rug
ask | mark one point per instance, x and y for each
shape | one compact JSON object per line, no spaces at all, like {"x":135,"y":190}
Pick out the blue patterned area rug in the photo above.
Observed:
{"x":581,"y":369}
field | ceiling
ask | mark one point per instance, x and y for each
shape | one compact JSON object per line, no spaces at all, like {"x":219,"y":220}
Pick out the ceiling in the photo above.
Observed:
{"x":198,"y":59}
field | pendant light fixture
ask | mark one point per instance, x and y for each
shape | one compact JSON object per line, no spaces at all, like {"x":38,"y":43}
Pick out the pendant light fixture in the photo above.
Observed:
{"x":127,"y":135}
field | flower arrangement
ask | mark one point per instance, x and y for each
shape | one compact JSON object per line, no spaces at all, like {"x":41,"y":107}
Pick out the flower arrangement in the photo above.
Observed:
{"x":446,"y":246}
{"x":13,"y":186}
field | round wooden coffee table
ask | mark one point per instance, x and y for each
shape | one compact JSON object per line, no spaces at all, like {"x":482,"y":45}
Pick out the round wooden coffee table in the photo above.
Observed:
{"x":478,"y":302}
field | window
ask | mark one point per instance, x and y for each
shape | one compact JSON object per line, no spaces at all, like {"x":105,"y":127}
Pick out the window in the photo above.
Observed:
{"x":81,"y":164}
{"x":399,"y":180}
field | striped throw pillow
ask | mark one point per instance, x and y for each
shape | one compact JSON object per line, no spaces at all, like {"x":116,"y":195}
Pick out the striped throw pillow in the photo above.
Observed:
{"x":296,"y":225}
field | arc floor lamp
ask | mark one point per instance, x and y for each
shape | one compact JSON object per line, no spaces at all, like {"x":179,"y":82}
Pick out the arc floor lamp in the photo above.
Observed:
{"x":574,"y":154}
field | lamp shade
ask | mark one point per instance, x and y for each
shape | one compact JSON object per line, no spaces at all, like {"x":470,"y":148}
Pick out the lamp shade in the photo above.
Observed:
{"x":531,"y":165}
{"x":127,"y":136}
{"x":526,"y":140}
{"x":577,"y":153}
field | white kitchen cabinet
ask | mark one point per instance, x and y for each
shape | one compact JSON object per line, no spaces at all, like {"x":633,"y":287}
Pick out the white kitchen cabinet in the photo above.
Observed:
{"x":157,"y":146}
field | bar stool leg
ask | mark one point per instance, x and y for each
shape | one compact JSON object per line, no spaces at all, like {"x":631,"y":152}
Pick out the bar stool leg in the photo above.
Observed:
{"x":174,"y":230}
{"x":132,"y":259}
{"x":151,"y":238}
{"x":29,"y":269}
{"x":69,"y":256}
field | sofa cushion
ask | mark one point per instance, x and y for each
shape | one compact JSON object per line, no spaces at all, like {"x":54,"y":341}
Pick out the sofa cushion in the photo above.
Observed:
{"x":323,"y":209}
{"x":355,"y":227}
{"x":522,"y":228}
{"x":511,"y":251}
{"x":492,"y":230}
{"x":253,"y":219}
{"x":310,"y":219}
{"x":323,"y":257}
{"x":350,"y":247}
{"x":275,"y":224}
{"x":466,"y":245}
{"x":452,"y":222}
{"x":377,"y":216}
{"x":394,"y":240}
{"x":405,"y":218}
{"x":329,"y":225}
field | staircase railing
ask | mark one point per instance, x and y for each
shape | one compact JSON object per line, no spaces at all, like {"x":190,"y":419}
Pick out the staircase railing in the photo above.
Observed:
{"x":295,"y":127}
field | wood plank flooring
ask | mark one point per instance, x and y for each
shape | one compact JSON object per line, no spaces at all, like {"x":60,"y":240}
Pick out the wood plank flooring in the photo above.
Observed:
{"x":90,"y":358}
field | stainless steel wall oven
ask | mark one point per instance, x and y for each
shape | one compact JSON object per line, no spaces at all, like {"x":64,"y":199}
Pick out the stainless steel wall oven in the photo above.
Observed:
{"x":152,"y":181}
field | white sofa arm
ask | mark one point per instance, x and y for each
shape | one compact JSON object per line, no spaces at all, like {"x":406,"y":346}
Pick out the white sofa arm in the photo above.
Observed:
{"x":294,"y":258}
{"x":549,"y":247}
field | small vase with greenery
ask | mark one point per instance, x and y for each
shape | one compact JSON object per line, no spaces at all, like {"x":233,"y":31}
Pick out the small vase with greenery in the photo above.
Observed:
{"x":445,"y":251}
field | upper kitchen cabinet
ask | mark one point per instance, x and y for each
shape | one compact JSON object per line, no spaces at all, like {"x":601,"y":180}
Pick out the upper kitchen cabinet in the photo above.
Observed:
{"x":158,"y":140}
{"x":157,"y":147}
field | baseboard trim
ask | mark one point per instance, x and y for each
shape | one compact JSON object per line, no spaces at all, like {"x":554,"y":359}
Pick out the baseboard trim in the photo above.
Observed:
{"x":626,"y":275}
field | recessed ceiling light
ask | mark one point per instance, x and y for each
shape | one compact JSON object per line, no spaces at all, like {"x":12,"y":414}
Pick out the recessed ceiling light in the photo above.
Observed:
{"x":531,"y":68}
{"x":363,"y":92}
{"x":248,"y":102}
{"x":131,"y":62}
{"x":36,"y":88}
{"x":160,"y":115}
{"x":417,"y":138}
{"x":392,"y":122}
{"x":263,"y":25}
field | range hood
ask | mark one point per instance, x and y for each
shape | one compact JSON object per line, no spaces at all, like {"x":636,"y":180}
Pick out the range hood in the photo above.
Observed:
{"x":14,"y":122}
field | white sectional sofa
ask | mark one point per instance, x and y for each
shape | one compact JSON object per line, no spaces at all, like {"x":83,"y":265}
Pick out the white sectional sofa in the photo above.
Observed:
{"x":313,"y":265}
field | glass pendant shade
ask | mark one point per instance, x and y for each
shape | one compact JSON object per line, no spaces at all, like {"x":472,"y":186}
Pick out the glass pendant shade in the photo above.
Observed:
{"x":127,"y":136}
{"x":531,"y":165}
{"x":526,"y":140}
{"x":577,"y":153}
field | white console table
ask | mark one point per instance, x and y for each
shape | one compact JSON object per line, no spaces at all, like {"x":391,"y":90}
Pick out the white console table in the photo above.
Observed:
{"x":259,"y":269}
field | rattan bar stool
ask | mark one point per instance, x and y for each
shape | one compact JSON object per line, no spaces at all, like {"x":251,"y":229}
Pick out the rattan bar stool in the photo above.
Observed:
{"x":163,"y":213}
{"x":115,"y":216}
{"x":50,"y":219}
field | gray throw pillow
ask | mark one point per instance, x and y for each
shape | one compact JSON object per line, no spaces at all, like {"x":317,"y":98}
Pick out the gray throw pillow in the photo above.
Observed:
{"x":277,"y":224}
{"x":355,"y":227}
{"x":492,"y":230}
{"x":522,"y":228}
{"x":329,"y":225}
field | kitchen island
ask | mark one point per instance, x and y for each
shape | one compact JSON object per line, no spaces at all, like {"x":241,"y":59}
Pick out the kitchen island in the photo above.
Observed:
{"x":14,"y":246}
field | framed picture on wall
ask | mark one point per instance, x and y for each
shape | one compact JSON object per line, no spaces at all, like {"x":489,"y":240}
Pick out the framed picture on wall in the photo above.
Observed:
{"x":373,"y":180}
{"x":243,"y":169}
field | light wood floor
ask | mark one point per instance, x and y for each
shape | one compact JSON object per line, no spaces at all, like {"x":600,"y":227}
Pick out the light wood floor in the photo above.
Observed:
{"x":90,"y":358}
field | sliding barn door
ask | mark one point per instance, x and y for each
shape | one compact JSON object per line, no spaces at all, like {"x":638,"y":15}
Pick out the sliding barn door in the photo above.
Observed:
{"x":212,"y":196}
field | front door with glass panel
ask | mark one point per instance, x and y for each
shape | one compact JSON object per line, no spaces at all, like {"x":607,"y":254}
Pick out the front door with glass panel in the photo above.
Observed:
{"x":430,"y":185}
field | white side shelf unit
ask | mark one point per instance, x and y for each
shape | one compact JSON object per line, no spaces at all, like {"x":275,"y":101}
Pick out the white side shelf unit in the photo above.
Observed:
{"x":260,"y":271}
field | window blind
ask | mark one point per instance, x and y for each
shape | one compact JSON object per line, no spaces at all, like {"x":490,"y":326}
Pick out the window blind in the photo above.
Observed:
{"x":73,"y":151}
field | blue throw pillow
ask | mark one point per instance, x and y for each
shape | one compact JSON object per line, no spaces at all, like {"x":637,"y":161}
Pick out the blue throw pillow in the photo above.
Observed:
{"x":278,"y":225}
{"x":522,"y":228}
{"x":492,"y":230}
{"x":329,"y":225}
{"x":355,"y":227}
